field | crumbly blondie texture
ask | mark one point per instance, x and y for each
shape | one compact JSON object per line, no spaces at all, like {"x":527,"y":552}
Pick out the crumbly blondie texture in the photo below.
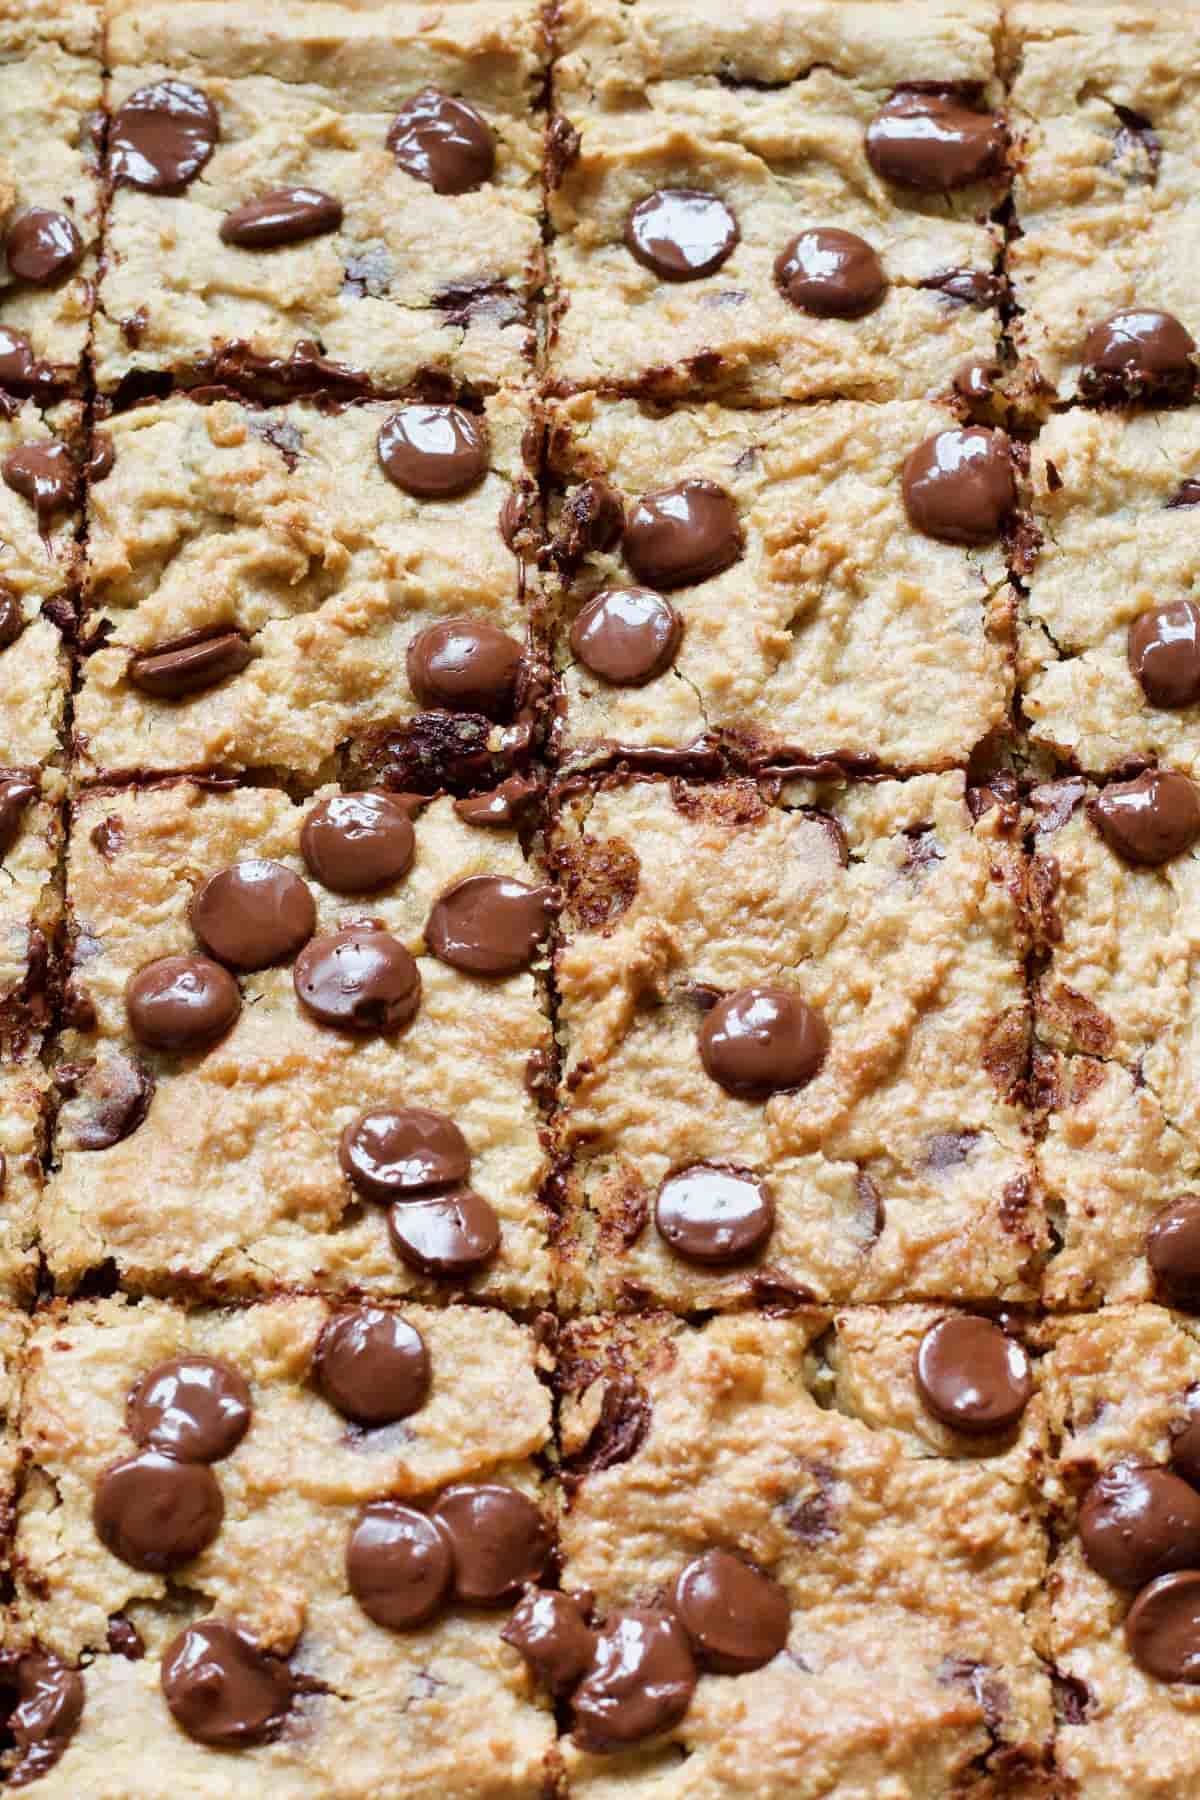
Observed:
{"x":766,"y":107}
{"x":412,"y":283}
{"x":1112,"y":502}
{"x":902,"y":1168}
{"x":444,"y":1707}
{"x":23,"y":1107}
{"x":1120,"y":1731}
{"x":243,"y":1137}
{"x":1105,"y":112}
{"x":907,"y":1560}
{"x":281,"y":525}
{"x":30,"y":905}
{"x":38,"y":577}
{"x":839,"y":631}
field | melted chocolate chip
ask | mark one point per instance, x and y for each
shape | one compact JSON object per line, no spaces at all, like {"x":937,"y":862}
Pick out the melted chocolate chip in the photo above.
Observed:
{"x":124,"y":1638}
{"x":736,"y":1617}
{"x":16,"y":793}
{"x":189,"y":664}
{"x":503,"y":806}
{"x":221,"y":1688}
{"x":434,"y":452}
{"x":593,"y":518}
{"x":830,"y":273}
{"x":1135,"y":355}
{"x":681,"y":233}
{"x":101,"y":457}
{"x":500,"y":1540}
{"x":284,"y":216}
{"x":356,"y":843}
{"x":1162,"y":1628}
{"x":357,"y":980}
{"x":626,"y":636}
{"x":969,"y":287}
{"x":391,"y":1153}
{"x":195,"y":1408}
{"x":1173,"y":1250}
{"x":489,"y":924}
{"x":714,"y":1215}
{"x":104,"y":1102}
{"x":550,"y":1631}
{"x":641,"y":1681}
{"x":682,"y":534}
{"x":443,"y":141}
{"x":372,"y":1365}
{"x":958,"y":485}
{"x":449,"y":1237}
{"x":399,"y":1564}
{"x":975,"y":382}
{"x":162,"y":136}
{"x":20,"y":370}
{"x":1185,"y":1451}
{"x":761,"y":1040}
{"x":43,"y":474}
{"x":12,"y":619}
{"x":181,"y":1002}
{"x":933,"y":143}
{"x":253,"y":914}
{"x":49,"y":1707}
{"x":1149,"y":820}
{"x":41,"y":246}
{"x":1186,"y":494}
{"x":1139,"y":1522}
{"x":1164,"y":653}
{"x":156,"y":1512}
{"x":972,"y":1376}
{"x":466,"y":665}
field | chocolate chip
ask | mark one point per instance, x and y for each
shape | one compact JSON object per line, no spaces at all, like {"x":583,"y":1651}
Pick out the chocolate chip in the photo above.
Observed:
{"x":49,"y":1707}
{"x":593,"y":518}
{"x":16,"y":794}
{"x":550,"y":1631}
{"x":372,"y":1365}
{"x":969,"y":287}
{"x":181,"y":1002}
{"x":933,"y":143}
{"x":1173,"y":1251}
{"x":714,"y":1215}
{"x":626,"y":636}
{"x":156,"y":1512}
{"x":1186,"y":494}
{"x":355,"y":980}
{"x":500,"y":1539}
{"x":1149,"y":820}
{"x":1164,"y":653}
{"x":124,"y":1638}
{"x":105,"y":1101}
{"x":736,"y":1617}
{"x":1137,"y":1522}
{"x":43,"y":474}
{"x":451,"y":1236}
{"x":972,"y":1376}
{"x":489,"y":924}
{"x":958,"y":485}
{"x":221,"y":1689}
{"x":761,"y":1040}
{"x":356,"y":843}
{"x":187,"y":665}
{"x":830,"y":273}
{"x":1162,"y":1628}
{"x":399,"y":1565}
{"x":466,"y":665}
{"x":439,"y":139}
{"x":285,"y":216}
{"x":683,"y":534}
{"x":1185,"y":1451}
{"x":681,"y":233}
{"x":618,"y":1433}
{"x":1137,"y":354}
{"x":195,"y":1408}
{"x":393,"y":1152}
{"x":975,"y":382}
{"x":162,"y":136}
{"x":434,"y":452}
{"x":12,"y":619}
{"x":41,"y":246}
{"x":253,"y":914}
{"x":20,"y":370}
{"x":1137,"y":143}
{"x":101,"y":457}
{"x":505,"y":805}
{"x":641,"y":1681}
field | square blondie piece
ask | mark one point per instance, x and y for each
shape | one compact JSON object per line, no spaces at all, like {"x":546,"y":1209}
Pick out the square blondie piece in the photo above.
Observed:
{"x":243,"y":1129}
{"x":51,"y":83}
{"x":1105,"y":114}
{"x":39,"y":573}
{"x":1109,"y":674}
{"x":907,"y":1554}
{"x":416,"y":257}
{"x":278,"y":535}
{"x":823,"y":624}
{"x":1120,"y":1391}
{"x":765,"y":110}
{"x":890,"y":1140}
{"x":362,"y":1710}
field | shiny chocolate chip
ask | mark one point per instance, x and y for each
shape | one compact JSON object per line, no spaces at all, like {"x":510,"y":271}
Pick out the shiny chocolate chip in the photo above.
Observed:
{"x":162,"y":136}
{"x":449,"y":1236}
{"x":1149,"y":820}
{"x":1164,"y":653}
{"x":1173,"y":1251}
{"x":189,"y":665}
{"x":356,"y":843}
{"x":681,"y":233}
{"x":101,"y":457}
{"x":195,"y":1408}
{"x":551,"y":1633}
{"x":830,"y":273}
{"x":1138,"y":354}
{"x":958,"y":485}
{"x":433,"y":452}
{"x":626,"y":636}
{"x":640,"y":1682}
{"x":762,"y":1040}
{"x":714,"y":1215}
{"x":393,"y":1153}
{"x":253,"y":914}
{"x":500,"y":1539}
{"x":372,"y":1366}
{"x":17,"y":793}
{"x":50,"y":1698}
{"x":221,"y":1689}
{"x":736,"y":1617}
{"x":933,"y":143}
{"x":1138,"y":1522}
{"x":443,"y":141}
{"x":43,"y":474}
{"x":181,"y":1002}
{"x":399,"y":1564}
{"x":1185,"y":1451}
{"x":682,"y":534}
{"x":42,"y":245}
{"x":358,"y":980}
{"x":155,"y":1512}
{"x":12,"y":619}
{"x":1162,"y":1628}
{"x":466,"y":665}
{"x":489,"y":924}
{"x":284,"y":216}
{"x":972,"y":1376}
